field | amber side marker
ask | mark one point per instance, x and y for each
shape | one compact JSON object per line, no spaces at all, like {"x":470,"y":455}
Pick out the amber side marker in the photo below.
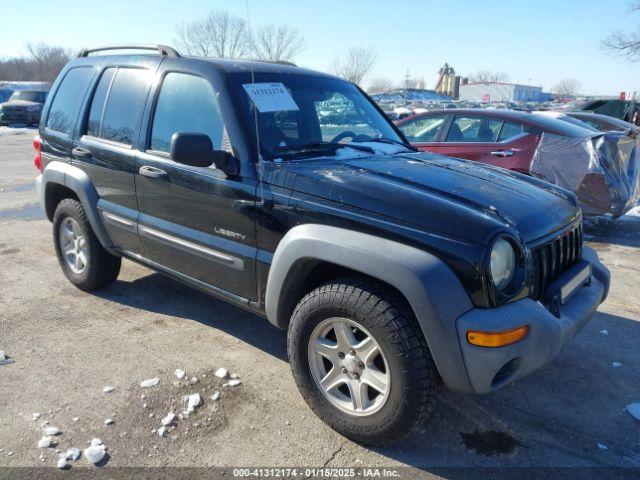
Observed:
{"x":497,"y":339}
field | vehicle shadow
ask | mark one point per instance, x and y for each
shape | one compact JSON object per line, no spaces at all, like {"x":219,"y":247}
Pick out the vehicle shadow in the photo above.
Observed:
{"x":556,"y":416}
{"x":160,"y":294}
{"x":623,"y":231}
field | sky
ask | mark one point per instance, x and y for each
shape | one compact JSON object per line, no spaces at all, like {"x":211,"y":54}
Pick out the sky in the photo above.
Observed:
{"x":540,"y":41}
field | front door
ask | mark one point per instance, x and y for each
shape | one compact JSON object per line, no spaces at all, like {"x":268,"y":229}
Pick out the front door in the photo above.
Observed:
{"x":194,"y":220}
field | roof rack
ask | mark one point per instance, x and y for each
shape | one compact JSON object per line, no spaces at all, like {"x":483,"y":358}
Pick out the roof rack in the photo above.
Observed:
{"x":161,"y":49}
{"x":275,"y":62}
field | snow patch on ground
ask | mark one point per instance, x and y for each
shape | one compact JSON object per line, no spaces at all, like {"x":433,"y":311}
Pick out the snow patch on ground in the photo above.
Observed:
{"x":16,"y":130}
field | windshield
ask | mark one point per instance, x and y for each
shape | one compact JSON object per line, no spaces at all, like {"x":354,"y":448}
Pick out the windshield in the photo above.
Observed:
{"x":29,"y":96}
{"x":306,"y":115}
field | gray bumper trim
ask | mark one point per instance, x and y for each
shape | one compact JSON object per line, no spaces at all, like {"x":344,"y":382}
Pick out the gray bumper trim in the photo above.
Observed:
{"x":546,"y":337}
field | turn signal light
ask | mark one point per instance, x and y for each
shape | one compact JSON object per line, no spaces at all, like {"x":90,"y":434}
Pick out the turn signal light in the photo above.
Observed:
{"x":497,"y":339}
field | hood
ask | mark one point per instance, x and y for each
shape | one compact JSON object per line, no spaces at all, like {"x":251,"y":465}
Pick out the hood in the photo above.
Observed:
{"x":19,"y":103}
{"x":457,"y":198}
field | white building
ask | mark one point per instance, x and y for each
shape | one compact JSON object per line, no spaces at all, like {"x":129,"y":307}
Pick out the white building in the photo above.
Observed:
{"x":501,"y":92}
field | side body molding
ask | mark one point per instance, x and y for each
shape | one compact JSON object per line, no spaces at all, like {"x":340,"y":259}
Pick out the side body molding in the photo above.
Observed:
{"x":431,"y":288}
{"x":75,"y":179}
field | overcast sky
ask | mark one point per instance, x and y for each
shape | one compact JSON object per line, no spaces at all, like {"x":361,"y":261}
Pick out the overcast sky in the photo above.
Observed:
{"x":540,"y":40}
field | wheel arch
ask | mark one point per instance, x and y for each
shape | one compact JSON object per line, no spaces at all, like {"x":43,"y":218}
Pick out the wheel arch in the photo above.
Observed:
{"x":61,"y":180}
{"x":311,"y":252}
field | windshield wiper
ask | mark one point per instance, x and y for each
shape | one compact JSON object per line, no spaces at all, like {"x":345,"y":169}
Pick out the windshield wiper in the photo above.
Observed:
{"x":391,"y":141}
{"x":321,"y":145}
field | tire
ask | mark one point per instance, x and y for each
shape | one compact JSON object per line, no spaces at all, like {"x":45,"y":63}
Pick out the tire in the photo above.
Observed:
{"x":377,"y":311}
{"x":99,"y":268}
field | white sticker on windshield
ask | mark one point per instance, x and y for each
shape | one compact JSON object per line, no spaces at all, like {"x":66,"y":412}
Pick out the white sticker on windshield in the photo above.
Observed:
{"x":270,"y":97}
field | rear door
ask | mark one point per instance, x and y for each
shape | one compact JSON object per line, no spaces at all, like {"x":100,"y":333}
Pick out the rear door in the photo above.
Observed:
{"x":488,"y":140}
{"x":106,"y":152}
{"x":195,"y":221}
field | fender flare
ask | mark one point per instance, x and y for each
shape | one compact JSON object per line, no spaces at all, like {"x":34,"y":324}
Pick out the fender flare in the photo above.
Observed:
{"x":432,"y":289}
{"x":78,"y":181}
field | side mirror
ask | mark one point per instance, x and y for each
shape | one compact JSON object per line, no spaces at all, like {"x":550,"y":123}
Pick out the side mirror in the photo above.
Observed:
{"x":196,"y":150}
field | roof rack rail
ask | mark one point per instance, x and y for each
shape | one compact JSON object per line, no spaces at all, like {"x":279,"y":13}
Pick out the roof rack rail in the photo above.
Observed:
{"x":161,"y":49}
{"x":275,"y":62}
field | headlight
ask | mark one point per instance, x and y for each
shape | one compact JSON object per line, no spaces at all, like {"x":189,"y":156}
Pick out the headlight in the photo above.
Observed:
{"x":503,"y":263}
{"x":33,"y":108}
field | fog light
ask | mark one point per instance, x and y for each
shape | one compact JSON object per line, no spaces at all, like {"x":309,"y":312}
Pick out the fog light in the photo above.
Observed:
{"x":497,"y":339}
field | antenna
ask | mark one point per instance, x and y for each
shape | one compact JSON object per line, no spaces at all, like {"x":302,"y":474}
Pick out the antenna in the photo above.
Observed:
{"x":253,"y":81}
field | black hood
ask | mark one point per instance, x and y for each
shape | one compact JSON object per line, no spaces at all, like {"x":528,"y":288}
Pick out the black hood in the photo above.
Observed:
{"x":457,"y":198}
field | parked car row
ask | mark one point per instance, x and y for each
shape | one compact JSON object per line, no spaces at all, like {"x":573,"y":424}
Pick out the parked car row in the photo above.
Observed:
{"x":595,"y":156}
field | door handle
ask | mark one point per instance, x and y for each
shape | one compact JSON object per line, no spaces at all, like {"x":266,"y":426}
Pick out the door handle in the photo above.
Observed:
{"x":80,"y":152}
{"x":502,"y":153}
{"x":151,"y":172}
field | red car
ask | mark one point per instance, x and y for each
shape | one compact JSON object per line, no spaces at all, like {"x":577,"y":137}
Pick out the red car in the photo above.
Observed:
{"x":504,"y":138}
{"x":602,"y":168}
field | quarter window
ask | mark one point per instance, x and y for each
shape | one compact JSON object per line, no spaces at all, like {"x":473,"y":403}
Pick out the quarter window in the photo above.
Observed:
{"x":425,"y":129}
{"x":186,"y":103}
{"x":474,"y":129}
{"x":510,"y":130}
{"x":66,"y":103}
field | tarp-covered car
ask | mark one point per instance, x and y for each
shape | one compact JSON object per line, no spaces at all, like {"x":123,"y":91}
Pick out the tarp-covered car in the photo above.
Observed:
{"x":603,"y":169}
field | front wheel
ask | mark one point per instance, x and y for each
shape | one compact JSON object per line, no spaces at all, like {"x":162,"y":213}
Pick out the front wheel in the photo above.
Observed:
{"x":82,"y":258}
{"x":360,"y":360}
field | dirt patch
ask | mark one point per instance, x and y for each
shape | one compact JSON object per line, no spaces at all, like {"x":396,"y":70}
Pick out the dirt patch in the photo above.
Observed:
{"x":490,"y":443}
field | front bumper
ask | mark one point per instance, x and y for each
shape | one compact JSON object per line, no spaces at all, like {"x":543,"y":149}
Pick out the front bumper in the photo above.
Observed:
{"x":492,"y":368}
{"x":20,"y":117}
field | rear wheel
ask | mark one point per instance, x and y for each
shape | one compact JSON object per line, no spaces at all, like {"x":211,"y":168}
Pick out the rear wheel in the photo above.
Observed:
{"x":360,"y":361}
{"x":82,"y":258}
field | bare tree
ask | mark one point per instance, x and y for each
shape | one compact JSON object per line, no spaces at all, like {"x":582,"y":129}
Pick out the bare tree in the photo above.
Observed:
{"x":380,"y":85}
{"x":48,"y":60}
{"x":277,"y":42}
{"x":487,"y":76}
{"x":220,"y":35}
{"x":356,"y":65}
{"x":567,"y":86}
{"x":625,"y":44}
{"x":43,"y":64}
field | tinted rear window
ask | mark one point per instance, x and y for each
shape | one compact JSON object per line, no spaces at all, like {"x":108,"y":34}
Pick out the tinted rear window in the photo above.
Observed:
{"x":120,"y":116}
{"x":66,"y":103}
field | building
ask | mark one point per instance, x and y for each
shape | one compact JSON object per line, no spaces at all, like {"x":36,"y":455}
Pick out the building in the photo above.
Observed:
{"x":502,"y":92}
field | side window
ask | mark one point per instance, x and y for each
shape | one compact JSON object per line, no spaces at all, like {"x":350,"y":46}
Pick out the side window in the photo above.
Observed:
{"x":510,"y":130}
{"x":66,"y":102}
{"x":425,"y":129}
{"x":474,"y":129}
{"x":186,"y":104}
{"x":123,"y":101}
{"x":97,"y":104}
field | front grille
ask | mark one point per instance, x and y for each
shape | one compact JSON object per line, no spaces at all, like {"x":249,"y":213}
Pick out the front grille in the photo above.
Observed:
{"x":553,"y":258}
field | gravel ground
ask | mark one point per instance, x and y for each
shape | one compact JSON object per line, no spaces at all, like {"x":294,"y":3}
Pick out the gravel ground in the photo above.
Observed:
{"x":68,"y":345}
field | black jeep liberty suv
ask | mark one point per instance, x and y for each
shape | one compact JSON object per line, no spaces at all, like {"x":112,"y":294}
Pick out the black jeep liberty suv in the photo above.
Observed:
{"x":289,"y":193}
